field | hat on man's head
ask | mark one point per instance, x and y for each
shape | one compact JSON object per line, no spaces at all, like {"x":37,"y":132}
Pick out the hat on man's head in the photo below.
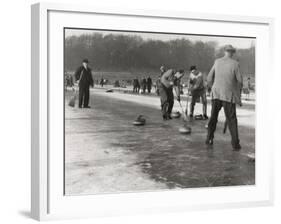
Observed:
{"x":229,"y":47}
{"x":85,"y":60}
{"x":193,"y":67}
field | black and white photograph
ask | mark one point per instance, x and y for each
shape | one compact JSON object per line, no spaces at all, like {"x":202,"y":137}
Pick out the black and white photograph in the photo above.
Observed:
{"x":147,"y":111}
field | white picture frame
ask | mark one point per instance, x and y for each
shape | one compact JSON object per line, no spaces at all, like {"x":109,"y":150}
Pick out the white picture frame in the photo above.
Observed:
{"x":47,"y":200}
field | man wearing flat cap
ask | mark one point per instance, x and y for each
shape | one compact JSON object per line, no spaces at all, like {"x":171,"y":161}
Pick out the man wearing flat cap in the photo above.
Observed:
{"x":83,"y":76}
{"x":226,"y":82}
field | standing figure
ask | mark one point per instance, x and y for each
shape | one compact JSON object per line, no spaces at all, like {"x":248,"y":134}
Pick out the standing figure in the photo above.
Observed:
{"x":168,"y":79}
{"x":102,"y":81}
{"x":136,"y":85}
{"x":149,"y":84}
{"x":248,"y":88}
{"x":226,"y":81}
{"x":197,"y":90}
{"x":83,"y":76}
{"x":143,"y":85}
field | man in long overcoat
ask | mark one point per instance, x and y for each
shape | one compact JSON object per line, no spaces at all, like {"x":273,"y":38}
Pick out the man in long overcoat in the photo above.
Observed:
{"x":226,"y":81}
{"x":83,"y":76}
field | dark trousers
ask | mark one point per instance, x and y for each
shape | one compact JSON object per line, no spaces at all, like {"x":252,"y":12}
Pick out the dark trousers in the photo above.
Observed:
{"x":231,"y":119}
{"x":196,"y":95}
{"x":167,"y":100}
{"x":136,"y":88}
{"x":84,"y":95}
{"x":149,"y":88}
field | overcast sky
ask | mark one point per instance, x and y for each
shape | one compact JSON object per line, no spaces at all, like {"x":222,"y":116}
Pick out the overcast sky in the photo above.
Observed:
{"x":221,"y":41}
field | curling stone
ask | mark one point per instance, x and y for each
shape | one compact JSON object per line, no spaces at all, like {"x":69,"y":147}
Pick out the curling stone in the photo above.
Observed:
{"x":185,"y":130}
{"x":139,"y":121}
{"x":176,"y":114}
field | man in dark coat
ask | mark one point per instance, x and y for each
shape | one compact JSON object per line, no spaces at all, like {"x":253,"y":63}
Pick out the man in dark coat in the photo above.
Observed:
{"x":143,"y":85}
{"x":83,"y":76}
{"x":226,"y":82}
{"x":136,"y":85}
{"x":102,"y":81}
{"x":149,"y":84}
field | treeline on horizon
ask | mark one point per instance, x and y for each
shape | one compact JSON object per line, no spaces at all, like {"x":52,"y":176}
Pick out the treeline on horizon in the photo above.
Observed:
{"x":134,"y":54}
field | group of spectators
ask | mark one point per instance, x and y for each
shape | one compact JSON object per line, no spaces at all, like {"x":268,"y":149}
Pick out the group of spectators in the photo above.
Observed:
{"x":143,"y":85}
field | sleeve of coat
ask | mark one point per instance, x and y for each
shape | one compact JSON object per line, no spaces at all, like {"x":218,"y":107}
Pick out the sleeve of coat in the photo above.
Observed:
{"x":77,"y":73}
{"x":239,"y":76}
{"x":211,"y":76}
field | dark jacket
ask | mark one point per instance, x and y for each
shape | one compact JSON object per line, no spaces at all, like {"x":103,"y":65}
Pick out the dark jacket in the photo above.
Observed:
{"x":143,"y":83}
{"x":84,"y":76}
{"x":136,"y":83}
{"x":149,"y":82}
